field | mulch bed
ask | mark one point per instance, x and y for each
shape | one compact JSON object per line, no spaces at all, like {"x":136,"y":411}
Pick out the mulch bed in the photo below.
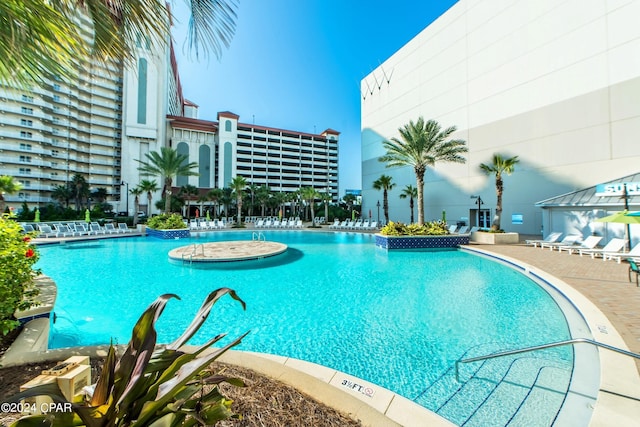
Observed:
{"x":262,"y":402}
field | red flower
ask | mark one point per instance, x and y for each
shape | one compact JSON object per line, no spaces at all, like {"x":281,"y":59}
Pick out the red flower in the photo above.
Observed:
{"x":29,"y":253}
{"x":26,"y":239}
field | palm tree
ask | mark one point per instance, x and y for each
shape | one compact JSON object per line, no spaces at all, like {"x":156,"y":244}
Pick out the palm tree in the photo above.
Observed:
{"x":384,"y":183}
{"x":42,"y":38}
{"x":150,"y":186}
{"x":422,"y":144}
{"x":136,"y":192}
{"x":309,"y":195}
{"x":80,"y":188}
{"x":188,"y":191}
{"x":263,"y":195}
{"x":411,"y":192}
{"x":326,"y":198}
{"x":7,"y":186}
{"x":62,"y":193}
{"x":166,"y":164}
{"x":253,"y":189}
{"x":238,"y":184}
{"x":215,"y":194}
{"x":498,"y":166}
{"x":226,"y":200}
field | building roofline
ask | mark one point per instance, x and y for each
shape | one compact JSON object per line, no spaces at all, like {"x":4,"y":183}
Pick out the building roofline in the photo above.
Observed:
{"x":194,"y":124}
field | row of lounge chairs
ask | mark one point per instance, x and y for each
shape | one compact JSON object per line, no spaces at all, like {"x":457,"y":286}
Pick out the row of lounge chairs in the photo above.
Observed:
{"x":573,"y":243}
{"x":204,"y":225}
{"x":360,"y":224}
{"x":75,"y":229}
{"x":276,"y":223}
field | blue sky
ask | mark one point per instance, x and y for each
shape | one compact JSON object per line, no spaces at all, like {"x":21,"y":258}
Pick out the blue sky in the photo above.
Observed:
{"x":297,"y":64}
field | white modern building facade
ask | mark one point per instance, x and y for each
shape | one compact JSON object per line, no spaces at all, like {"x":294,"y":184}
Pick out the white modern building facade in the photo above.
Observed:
{"x":555,"y":83}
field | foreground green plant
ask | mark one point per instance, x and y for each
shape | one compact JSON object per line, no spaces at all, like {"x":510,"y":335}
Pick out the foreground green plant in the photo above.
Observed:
{"x":147,"y":386}
{"x":17,"y":257}
{"x":166,"y":222}
{"x":433,"y":228}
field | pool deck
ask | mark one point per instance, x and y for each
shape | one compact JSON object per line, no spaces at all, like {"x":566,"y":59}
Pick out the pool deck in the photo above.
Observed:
{"x":605,"y":284}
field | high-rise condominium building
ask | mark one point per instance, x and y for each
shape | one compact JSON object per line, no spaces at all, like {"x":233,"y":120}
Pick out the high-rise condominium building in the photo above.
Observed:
{"x":100,"y":124}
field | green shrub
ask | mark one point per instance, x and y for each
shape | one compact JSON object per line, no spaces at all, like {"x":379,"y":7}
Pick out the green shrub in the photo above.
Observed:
{"x":17,"y":257}
{"x":166,"y":222}
{"x":433,"y":228}
{"x":149,"y":386}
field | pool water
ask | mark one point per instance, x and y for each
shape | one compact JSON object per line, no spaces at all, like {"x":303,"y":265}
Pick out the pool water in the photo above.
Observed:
{"x":399,"y":319}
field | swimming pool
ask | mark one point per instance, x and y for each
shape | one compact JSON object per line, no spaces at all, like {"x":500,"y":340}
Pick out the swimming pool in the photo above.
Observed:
{"x":397,"y":319}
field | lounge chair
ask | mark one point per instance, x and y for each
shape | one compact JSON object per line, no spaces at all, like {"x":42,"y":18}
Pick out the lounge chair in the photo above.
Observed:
{"x":614,"y":246}
{"x":336,"y":224}
{"x":618,"y":256}
{"x":373,"y":225}
{"x":463,"y":229}
{"x":123,"y":228}
{"x":551,"y":238}
{"x":110,"y":228}
{"x":474,"y":229}
{"x":567,"y":241}
{"x":46,"y":231}
{"x":94,"y":228}
{"x":298,"y":223}
{"x":633,"y":268}
{"x":28,"y":228}
{"x":453,"y":228}
{"x":588,"y":243}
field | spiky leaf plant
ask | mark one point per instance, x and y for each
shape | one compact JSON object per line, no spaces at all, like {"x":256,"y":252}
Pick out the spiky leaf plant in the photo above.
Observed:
{"x":149,"y":386}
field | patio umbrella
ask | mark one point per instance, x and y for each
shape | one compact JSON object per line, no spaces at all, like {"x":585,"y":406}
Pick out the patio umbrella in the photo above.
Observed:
{"x":87,"y":216}
{"x":623,"y":217}
{"x":208,"y":216}
{"x":37,"y":216}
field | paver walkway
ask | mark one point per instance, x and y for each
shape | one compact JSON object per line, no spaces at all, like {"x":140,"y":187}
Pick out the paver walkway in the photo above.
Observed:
{"x":605,"y":283}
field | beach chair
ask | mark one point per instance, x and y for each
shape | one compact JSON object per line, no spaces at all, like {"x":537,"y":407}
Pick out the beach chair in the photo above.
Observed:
{"x":123,"y":228}
{"x":27,"y":228}
{"x":551,"y":238}
{"x":373,"y":225}
{"x":474,"y":229}
{"x":453,"y":228}
{"x":364,"y":225}
{"x":614,"y":246}
{"x":588,"y":243}
{"x":463,"y":229}
{"x":94,"y":228}
{"x":46,"y":231}
{"x":633,"y":268}
{"x":618,"y":256}
{"x":109,"y":228}
{"x":569,"y":239}
{"x":298,"y":223}
{"x":62,"y":230}
{"x":336,"y":223}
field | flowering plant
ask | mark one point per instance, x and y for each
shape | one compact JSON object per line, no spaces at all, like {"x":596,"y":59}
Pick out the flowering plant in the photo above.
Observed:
{"x":17,"y":257}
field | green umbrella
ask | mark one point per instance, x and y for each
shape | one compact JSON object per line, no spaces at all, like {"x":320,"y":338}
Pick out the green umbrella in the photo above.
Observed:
{"x":37,"y":216}
{"x":87,"y":216}
{"x":622,"y":218}
{"x":208,"y":216}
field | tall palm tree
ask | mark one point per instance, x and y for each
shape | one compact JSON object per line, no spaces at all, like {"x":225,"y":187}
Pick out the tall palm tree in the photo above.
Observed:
{"x":326,"y":198}
{"x":309,"y":195}
{"x":384,"y":183}
{"x":253,"y":189}
{"x":498,"y":166}
{"x":167,"y":163}
{"x":7,"y":186}
{"x":41,"y":38}
{"x":80,"y":188}
{"x":188,"y":192}
{"x":149,"y":186}
{"x":410,"y":192}
{"x":238,"y":184}
{"x":263,"y":195}
{"x":136,"y":192}
{"x":421,"y":145}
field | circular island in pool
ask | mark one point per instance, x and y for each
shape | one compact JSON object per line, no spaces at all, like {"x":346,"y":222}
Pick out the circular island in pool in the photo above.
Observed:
{"x":233,"y":250}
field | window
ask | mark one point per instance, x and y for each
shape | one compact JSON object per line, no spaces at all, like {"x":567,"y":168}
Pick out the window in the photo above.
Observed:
{"x":56,"y":86}
{"x":24,"y":134}
{"x":26,"y":110}
{"x":56,"y":120}
{"x":25,"y":147}
{"x":142,"y":91}
{"x":227,"y":125}
{"x":25,"y":122}
{"x":54,"y":164}
{"x":56,"y":98}
{"x":55,"y":153}
{"x":25,"y":171}
{"x":25,"y":182}
{"x":24,"y":196}
{"x":25,"y":159}
{"x":27,"y":98}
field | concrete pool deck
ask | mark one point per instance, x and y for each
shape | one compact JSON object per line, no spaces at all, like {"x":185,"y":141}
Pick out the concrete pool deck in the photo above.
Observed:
{"x":604,"y":284}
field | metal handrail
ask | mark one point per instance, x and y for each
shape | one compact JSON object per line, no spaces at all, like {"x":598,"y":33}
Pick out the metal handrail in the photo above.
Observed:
{"x":542,"y":347}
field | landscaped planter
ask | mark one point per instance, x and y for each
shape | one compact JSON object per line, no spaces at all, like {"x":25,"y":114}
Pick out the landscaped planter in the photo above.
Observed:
{"x":422,"y":242}
{"x":485,"y":238}
{"x":169,"y":234}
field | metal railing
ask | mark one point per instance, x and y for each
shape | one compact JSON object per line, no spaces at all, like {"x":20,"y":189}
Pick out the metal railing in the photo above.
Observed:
{"x":258,"y":236}
{"x":542,"y":347}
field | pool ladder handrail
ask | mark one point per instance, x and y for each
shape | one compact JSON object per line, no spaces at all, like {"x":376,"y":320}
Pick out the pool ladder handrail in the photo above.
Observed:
{"x":259,"y":236}
{"x":542,"y":347}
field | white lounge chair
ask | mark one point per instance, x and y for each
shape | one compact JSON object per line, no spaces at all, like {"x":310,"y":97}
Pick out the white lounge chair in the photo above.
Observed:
{"x":62,"y":230}
{"x":619,"y":256}
{"x":298,"y":223}
{"x":123,"y":228}
{"x":614,"y":246}
{"x":588,"y":243}
{"x":110,"y":228}
{"x":46,"y":231}
{"x":453,"y":228}
{"x":94,"y":228}
{"x":463,"y":229}
{"x":373,"y":225}
{"x":336,"y":223}
{"x":551,"y":238}
{"x":568,"y":240}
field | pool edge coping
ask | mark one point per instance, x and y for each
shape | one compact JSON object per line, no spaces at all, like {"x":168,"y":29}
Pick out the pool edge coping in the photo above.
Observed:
{"x":618,"y":399}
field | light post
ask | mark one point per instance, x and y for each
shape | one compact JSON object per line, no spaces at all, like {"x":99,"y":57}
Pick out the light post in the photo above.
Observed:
{"x":479,"y":202}
{"x":127,"y":194}
{"x":378,"y":206}
{"x":625,"y":197}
